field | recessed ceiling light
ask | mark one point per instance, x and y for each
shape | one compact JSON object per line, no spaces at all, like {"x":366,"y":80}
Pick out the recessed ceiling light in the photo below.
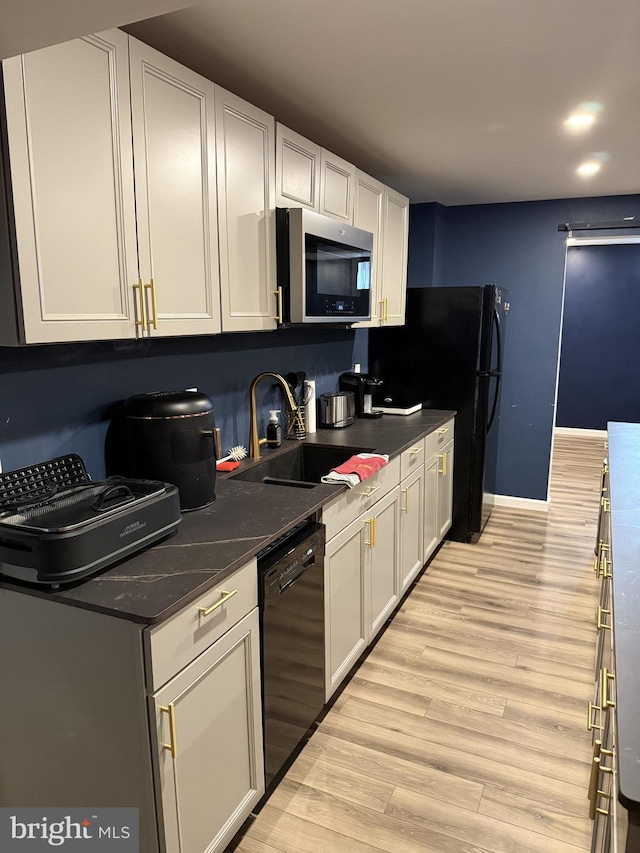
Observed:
{"x":579,"y":122}
{"x":588,"y":169}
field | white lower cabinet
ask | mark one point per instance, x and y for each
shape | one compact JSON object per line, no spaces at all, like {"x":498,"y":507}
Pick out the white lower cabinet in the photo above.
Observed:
{"x":444,"y":513}
{"x":412,"y":518}
{"x":361,"y":585}
{"x":208,"y":721}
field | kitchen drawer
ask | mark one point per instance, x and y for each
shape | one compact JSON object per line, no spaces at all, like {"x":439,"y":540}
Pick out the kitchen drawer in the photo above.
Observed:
{"x":436,"y":440}
{"x":412,"y":458}
{"x":182,"y":638}
{"x":347,"y":507}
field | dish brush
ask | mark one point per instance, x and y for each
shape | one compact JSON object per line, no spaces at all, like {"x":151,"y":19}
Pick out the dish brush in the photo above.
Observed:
{"x":236,"y":454}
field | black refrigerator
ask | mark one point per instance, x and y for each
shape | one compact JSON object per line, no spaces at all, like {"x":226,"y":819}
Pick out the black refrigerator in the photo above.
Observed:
{"x":449,"y":355}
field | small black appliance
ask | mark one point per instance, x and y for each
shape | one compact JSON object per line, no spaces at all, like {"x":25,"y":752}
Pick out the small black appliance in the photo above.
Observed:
{"x":170,"y":437}
{"x":363,"y":386}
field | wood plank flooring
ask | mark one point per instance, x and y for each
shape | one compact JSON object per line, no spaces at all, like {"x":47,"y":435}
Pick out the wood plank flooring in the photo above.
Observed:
{"x":463,"y":731}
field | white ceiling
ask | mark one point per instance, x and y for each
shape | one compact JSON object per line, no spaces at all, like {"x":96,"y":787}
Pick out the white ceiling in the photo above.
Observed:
{"x":456,"y":101}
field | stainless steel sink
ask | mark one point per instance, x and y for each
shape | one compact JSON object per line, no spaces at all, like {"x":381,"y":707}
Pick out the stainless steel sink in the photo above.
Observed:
{"x":302,"y":466}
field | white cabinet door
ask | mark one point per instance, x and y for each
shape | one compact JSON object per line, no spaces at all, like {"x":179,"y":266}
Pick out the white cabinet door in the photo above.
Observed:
{"x":445,"y":489}
{"x":175,"y":182}
{"x":394,"y":260}
{"x":367,"y":214}
{"x":208,"y":721}
{"x":69,"y":138}
{"x":384,"y":558}
{"x":411,"y":527}
{"x":246,"y":200}
{"x":337,"y":187}
{"x":344,"y":601}
{"x":431,"y":503}
{"x":298,"y":163}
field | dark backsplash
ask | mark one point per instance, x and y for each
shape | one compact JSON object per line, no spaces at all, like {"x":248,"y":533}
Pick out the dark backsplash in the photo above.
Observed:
{"x":59,"y":399}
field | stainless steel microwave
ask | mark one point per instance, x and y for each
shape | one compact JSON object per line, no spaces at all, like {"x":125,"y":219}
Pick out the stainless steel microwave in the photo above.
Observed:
{"x":324,"y":268}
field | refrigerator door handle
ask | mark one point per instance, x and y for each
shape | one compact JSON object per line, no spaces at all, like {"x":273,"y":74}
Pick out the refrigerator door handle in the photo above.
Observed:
{"x":495,"y":400}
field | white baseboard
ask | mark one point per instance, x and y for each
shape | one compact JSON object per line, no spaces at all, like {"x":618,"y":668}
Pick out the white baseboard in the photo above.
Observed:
{"x":581,"y":433}
{"x":521,"y":503}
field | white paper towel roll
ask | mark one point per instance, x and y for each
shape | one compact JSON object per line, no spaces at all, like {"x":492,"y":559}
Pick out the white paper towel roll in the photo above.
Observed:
{"x":310,"y":398}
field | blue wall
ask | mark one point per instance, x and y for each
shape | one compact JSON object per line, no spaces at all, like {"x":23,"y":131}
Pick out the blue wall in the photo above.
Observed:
{"x":518,"y":247}
{"x":56,"y":399}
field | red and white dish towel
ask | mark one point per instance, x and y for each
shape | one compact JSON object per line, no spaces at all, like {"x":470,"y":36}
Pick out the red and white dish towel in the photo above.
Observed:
{"x":356,"y":469}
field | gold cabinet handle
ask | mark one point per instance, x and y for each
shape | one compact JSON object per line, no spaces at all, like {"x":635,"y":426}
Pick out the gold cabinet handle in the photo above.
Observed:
{"x":278,"y":294}
{"x":371,"y":490}
{"x":224,"y":597}
{"x":606,"y":505}
{"x":386,"y":309}
{"x":605,"y":677}
{"x":593,"y":779}
{"x":405,"y":492}
{"x":599,"y":613}
{"x":442,"y":430}
{"x":415,"y":450}
{"x":591,"y":725}
{"x":371,"y":541}
{"x":143,"y":321}
{"x":154,"y":305}
{"x":170,"y":709}
{"x":381,"y":311}
{"x":443,"y":456}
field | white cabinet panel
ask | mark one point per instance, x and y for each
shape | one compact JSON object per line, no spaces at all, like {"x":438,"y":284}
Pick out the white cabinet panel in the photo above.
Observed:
{"x":209,"y":729}
{"x":246,"y":200}
{"x":174,"y":146}
{"x":337,"y":187}
{"x":431,"y":503}
{"x":69,"y":136}
{"x":394,"y":262}
{"x":345,"y":622}
{"x":384,"y":560}
{"x":411,"y":527}
{"x":368,"y":213}
{"x":298,"y":163}
{"x":445,"y":489}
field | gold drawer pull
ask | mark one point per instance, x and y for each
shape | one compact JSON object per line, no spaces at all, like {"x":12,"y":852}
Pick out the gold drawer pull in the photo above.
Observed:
{"x":371,"y":490}
{"x":224,"y":597}
{"x":154,"y":306}
{"x":415,"y":450}
{"x":599,"y":613}
{"x":142,"y":322}
{"x":278,"y":294}
{"x":386,"y":309}
{"x":593,"y":779}
{"x":405,"y":492}
{"x":606,"y":505}
{"x":442,"y":430}
{"x":590,"y":723}
{"x":371,"y":541}
{"x":443,"y":456}
{"x":605,"y":676}
{"x":173,"y":746}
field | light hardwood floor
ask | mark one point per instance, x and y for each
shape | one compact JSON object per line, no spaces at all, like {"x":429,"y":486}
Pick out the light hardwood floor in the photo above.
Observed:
{"x":464,"y":729}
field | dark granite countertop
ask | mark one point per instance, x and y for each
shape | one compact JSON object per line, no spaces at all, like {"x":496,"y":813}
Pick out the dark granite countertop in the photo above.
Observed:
{"x":215,"y":541}
{"x":624,"y":485}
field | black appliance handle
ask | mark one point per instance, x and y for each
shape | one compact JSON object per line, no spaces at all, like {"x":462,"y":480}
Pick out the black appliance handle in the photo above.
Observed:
{"x":309,"y":564}
{"x":112,"y":497}
{"x":498,"y":372}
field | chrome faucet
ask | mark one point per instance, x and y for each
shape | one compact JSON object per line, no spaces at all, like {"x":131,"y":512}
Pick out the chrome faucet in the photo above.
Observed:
{"x":294,"y":415}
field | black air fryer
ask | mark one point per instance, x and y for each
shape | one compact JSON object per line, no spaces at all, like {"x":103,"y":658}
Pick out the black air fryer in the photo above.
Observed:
{"x":169,"y":437}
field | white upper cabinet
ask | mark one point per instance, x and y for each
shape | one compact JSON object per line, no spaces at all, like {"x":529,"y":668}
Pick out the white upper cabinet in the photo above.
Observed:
{"x":298,"y":163}
{"x":175,"y":183}
{"x":337,"y":187}
{"x":246,"y":200}
{"x":71,"y":173}
{"x":394,"y":258}
{"x":368,"y":214}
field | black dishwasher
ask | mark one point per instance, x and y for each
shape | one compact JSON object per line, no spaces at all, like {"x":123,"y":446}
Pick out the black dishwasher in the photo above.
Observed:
{"x":291,"y":584}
